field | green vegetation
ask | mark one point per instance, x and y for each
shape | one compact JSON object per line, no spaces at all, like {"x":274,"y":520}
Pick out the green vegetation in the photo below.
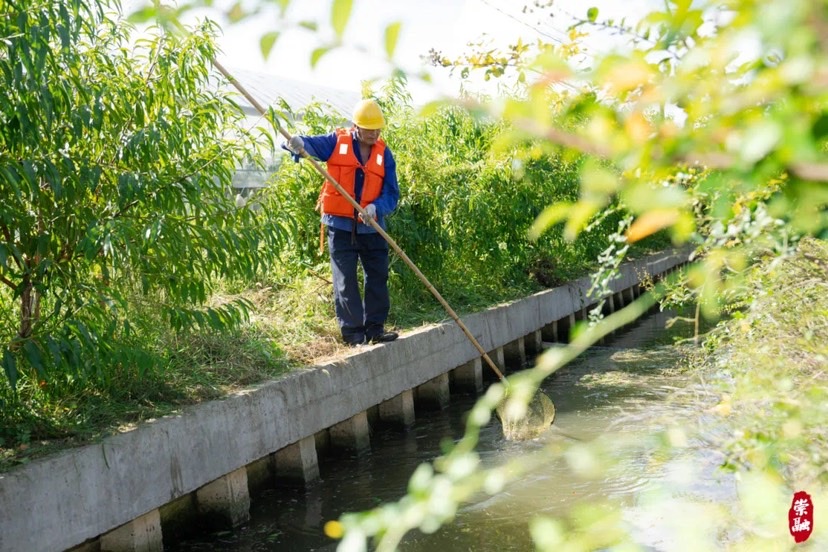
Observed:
{"x":466,"y":207}
{"x":133,"y":285}
{"x":129,"y":278}
{"x":117,"y":223}
{"x":775,"y":353}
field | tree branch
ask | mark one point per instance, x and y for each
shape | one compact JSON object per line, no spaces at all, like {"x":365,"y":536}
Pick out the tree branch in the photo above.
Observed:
{"x":811,"y":171}
{"x":574,"y":141}
{"x":817,"y":172}
{"x":8,"y":282}
{"x":7,"y":234}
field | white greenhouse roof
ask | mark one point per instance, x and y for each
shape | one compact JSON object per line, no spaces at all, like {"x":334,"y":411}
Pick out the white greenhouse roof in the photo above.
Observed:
{"x":268,"y":90}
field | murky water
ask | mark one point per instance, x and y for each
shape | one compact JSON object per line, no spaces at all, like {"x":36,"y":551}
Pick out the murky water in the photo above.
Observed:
{"x":618,"y":395}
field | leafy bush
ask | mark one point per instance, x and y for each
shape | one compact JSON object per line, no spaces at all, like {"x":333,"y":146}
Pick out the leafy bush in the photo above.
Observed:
{"x":117,"y":218}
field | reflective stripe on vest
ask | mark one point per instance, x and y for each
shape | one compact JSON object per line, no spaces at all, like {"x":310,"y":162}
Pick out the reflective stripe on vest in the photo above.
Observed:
{"x":342,"y":165}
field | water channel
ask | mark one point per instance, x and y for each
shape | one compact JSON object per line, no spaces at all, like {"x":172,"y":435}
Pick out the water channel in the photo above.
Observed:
{"x":619,"y":394}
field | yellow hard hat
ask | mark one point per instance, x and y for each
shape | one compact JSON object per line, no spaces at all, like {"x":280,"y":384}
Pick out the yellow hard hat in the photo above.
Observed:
{"x":368,"y":115}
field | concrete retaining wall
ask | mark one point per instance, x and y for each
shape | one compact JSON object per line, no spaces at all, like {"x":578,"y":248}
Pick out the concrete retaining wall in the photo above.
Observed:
{"x":62,"y":501}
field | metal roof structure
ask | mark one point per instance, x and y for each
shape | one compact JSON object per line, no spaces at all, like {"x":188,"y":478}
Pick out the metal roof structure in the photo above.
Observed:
{"x":268,"y":90}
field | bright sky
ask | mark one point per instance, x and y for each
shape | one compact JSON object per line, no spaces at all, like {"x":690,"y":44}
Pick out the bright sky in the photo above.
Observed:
{"x":445,"y":25}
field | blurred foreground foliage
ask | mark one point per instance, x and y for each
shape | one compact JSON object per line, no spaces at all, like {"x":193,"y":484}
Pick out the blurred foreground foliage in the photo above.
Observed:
{"x":709,"y":128}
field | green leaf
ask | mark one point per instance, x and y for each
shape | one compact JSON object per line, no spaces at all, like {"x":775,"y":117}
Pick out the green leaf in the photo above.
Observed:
{"x":143,"y":15}
{"x":597,"y":180}
{"x":644,"y":196}
{"x":283,"y":6}
{"x":819,"y":129}
{"x":236,"y":13}
{"x":34,"y":356}
{"x":10,"y":367}
{"x":340,"y":14}
{"x":579,"y":216}
{"x":55,"y":349}
{"x":309,"y":25}
{"x":551,"y":215}
{"x":317,"y":54}
{"x":216,"y":320}
{"x":432,"y":108}
{"x":421,"y":479}
{"x":12,"y":178}
{"x":548,"y":534}
{"x":392,"y":35}
{"x":592,"y":14}
{"x":759,"y":141}
{"x":681,"y":5}
{"x":266,"y":43}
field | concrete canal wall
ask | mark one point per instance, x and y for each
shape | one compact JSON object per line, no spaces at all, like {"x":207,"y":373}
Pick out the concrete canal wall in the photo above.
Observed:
{"x":119,"y":494}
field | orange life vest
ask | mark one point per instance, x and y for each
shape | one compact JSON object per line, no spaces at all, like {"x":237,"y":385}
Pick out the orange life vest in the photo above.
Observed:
{"x":342,"y":165}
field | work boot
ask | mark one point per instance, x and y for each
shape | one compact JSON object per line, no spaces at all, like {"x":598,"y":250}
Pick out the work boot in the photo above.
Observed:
{"x":383,"y":337}
{"x":355,"y":342}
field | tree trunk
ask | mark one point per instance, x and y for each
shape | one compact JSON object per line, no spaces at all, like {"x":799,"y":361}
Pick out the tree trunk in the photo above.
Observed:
{"x":29,"y":309}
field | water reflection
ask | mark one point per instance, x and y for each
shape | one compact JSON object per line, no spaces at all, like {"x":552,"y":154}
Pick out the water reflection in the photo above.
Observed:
{"x":620,"y":393}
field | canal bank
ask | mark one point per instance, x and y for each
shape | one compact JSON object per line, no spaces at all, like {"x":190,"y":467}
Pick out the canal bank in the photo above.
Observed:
{"x":119,"y":494}
{"x":618,"y":394}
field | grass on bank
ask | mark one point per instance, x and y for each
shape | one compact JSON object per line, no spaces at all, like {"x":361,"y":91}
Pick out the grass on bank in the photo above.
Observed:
{"x":196,"y":368}
{"x":771,"y":360}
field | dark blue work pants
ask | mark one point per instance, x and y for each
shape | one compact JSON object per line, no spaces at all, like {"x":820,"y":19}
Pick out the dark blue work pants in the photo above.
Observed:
{"x":359,"y":319}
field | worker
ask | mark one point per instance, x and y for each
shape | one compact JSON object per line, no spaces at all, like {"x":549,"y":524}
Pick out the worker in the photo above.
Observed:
{"x":360,"y":162}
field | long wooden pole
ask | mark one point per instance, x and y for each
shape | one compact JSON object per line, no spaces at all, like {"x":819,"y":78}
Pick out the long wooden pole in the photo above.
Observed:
{"x":370,"y":220}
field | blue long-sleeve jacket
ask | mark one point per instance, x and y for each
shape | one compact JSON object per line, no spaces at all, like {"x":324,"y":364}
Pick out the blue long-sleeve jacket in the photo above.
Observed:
{"x":322,"y":147}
